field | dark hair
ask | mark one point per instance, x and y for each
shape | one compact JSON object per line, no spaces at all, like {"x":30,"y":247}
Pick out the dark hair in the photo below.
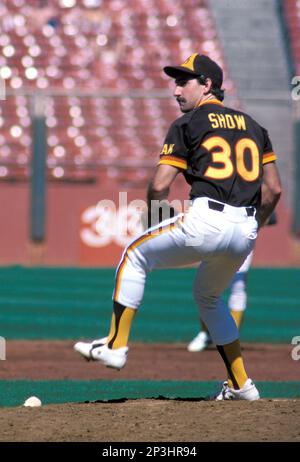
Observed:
{"x":216,"y":91}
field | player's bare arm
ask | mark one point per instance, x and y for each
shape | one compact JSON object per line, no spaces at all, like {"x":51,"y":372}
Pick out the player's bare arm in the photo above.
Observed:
{"x":159,"y":186}
{"x":158,"y":190}
{"x":270,"y":192}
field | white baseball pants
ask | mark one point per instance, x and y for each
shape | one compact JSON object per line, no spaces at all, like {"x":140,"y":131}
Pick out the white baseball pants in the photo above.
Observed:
{"x":219,"y":240}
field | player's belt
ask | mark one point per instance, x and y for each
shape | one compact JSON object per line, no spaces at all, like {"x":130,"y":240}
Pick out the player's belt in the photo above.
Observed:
{"x":220,"y":207}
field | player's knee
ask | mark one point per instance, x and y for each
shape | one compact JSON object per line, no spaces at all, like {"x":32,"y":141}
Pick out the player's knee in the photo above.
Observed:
{"x":137,"y":261}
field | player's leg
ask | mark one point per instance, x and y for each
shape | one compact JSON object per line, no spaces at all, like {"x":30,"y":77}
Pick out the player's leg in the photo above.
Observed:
{"x":237,"y":304}
{"x":211,"y":280}
{"x":161,"y":247}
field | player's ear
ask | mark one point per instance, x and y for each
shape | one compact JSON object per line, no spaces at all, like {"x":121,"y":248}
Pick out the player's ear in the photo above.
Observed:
{"x":208,"y":85}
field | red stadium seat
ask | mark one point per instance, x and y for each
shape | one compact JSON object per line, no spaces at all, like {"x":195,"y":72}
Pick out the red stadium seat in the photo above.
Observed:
{"x":117,"y":47}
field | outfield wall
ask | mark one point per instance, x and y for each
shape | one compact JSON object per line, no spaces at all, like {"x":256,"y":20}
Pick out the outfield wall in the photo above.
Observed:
{"x":78,"y":234}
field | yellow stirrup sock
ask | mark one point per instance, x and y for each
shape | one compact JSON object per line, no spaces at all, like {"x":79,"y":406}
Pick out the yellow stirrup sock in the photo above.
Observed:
{"x":238,"y":317}
{"x":121,"y":321}
{"x":232,"y":357}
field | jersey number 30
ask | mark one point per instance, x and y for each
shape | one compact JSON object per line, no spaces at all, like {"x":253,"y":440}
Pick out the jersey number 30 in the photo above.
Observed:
{"x":223,"y":156}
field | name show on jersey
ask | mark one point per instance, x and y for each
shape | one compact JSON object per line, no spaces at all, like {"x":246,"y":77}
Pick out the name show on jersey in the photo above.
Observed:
{"x":234,"y":121}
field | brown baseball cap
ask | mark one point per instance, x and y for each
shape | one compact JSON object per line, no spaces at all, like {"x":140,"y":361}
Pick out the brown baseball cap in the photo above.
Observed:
{"x":197,"y":65}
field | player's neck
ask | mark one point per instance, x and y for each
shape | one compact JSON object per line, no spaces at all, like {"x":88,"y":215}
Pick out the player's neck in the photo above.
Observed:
{"x":204,"y":99}
{"x":210,"y":99}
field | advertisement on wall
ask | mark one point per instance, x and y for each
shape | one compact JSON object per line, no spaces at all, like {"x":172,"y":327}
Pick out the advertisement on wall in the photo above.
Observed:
{"x":107,"y":227}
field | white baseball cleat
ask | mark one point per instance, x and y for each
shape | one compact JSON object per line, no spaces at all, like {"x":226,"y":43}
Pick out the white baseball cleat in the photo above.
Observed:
{"x":249,"y":392}
{"x":99,"y":351}
{"x":200,"y":342}
{"x":85,"y":348}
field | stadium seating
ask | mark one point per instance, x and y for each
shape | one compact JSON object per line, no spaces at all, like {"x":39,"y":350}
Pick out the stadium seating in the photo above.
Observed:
{"x":99,"y":64}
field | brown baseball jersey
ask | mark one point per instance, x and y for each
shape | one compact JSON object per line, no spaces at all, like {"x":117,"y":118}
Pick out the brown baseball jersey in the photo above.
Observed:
{"x":221,"y":152}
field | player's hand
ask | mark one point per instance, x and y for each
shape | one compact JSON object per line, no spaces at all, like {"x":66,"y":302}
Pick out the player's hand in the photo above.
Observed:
{"x":159,"y":212}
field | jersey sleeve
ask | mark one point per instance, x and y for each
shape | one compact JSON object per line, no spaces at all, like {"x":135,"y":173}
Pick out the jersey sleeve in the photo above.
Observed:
{"x":268,"y":153}
{"x":174,"y":151}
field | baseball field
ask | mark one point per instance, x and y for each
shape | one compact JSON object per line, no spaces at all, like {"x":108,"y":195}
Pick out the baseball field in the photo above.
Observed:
{"x":159,"y":395}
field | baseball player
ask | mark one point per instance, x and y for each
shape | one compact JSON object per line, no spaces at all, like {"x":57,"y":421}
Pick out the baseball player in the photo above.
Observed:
{"x":237,"y":300}
{"x":227,"y":159}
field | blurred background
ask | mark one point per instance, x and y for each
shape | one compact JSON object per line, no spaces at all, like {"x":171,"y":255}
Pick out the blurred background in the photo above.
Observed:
{"x":87,"y":107}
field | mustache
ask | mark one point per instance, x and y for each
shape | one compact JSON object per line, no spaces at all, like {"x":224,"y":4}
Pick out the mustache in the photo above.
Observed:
{"x":180,"y":100}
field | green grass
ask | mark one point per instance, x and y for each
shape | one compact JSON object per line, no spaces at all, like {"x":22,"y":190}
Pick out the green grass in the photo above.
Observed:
{"x":15,"y":392}
{"x":69,"y":303}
